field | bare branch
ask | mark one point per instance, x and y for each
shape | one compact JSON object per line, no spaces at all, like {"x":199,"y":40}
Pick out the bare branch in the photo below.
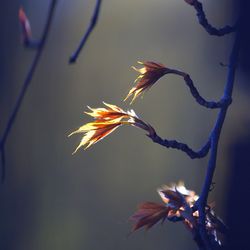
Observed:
{"x":181,"y":146}
{"x":195,"y":93}
{"x":26,"y":84}
{"x":204,"y":22}
{"x":215,"y":136}
{"x":85,"y":37}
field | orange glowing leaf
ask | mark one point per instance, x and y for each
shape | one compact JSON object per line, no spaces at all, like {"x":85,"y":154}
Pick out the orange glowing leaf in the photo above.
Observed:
{"x":150,"y":73}
{"x":106,"y":121}
{"x":95,"y":131}
{"x":112,"y":112}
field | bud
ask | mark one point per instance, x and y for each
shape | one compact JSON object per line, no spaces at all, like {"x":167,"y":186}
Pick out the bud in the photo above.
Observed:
{"x":26,"y":34}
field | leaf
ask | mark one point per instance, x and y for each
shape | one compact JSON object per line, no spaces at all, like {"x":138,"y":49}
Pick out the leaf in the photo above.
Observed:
{"x":26,"y":33}
{"x":148,"y":214}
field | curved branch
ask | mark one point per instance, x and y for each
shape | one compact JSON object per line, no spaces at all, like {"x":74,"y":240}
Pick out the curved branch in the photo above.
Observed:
{"x":204,"y":22}
{"x":181,"y":146}
{"x":195,"y":93}
{"x":85,"y":37}
{"x":26,"y":84}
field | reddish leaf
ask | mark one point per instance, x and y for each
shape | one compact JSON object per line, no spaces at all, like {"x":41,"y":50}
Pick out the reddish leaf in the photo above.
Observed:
{"x":25,"y":26}
{"x":148,"y":214}
{"x":150,"y":73}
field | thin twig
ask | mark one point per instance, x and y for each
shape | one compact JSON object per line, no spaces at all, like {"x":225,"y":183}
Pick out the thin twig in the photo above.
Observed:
{"x":85,"y":37}
{"x":26,"y":84}
{"x":181,"y":146}
{"x":195,"y":93}
{"x":204,"y":22}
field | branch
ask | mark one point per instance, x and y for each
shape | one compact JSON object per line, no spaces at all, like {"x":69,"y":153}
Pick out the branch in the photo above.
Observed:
{"x":204,"y":22}
{"x":85,"y":37}
{"x":215,"y":135}
{"x":26,"y":84}
{"x":152,"y":72}
{"x":32,"y":44}
{"x":181,"y":146}
{"x":195,"y":93}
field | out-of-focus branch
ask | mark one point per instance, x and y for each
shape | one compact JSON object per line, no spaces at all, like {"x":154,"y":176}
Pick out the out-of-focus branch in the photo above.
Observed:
{"x":85,"y":37}
{"x":26,"y":84}
{"x":181,"y":146}
{"x":32,"y":44}
{"x":204,"y":22}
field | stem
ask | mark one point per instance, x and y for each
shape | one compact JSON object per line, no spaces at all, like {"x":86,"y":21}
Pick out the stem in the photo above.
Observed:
{"x":26,"y":84}
{"x":195,"y":93}
{"x":181,"y":146}
{"x":215,"y":136}
{"x":85,"y":37}
{"x":206,"y":25}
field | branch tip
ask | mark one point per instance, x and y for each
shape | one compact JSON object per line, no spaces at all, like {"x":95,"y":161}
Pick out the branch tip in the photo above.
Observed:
{"x":204,"y":22}
{"x":73,"y":58}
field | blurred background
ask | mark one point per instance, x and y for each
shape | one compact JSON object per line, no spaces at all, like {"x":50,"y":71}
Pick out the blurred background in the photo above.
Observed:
{"x":53,"y":200}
